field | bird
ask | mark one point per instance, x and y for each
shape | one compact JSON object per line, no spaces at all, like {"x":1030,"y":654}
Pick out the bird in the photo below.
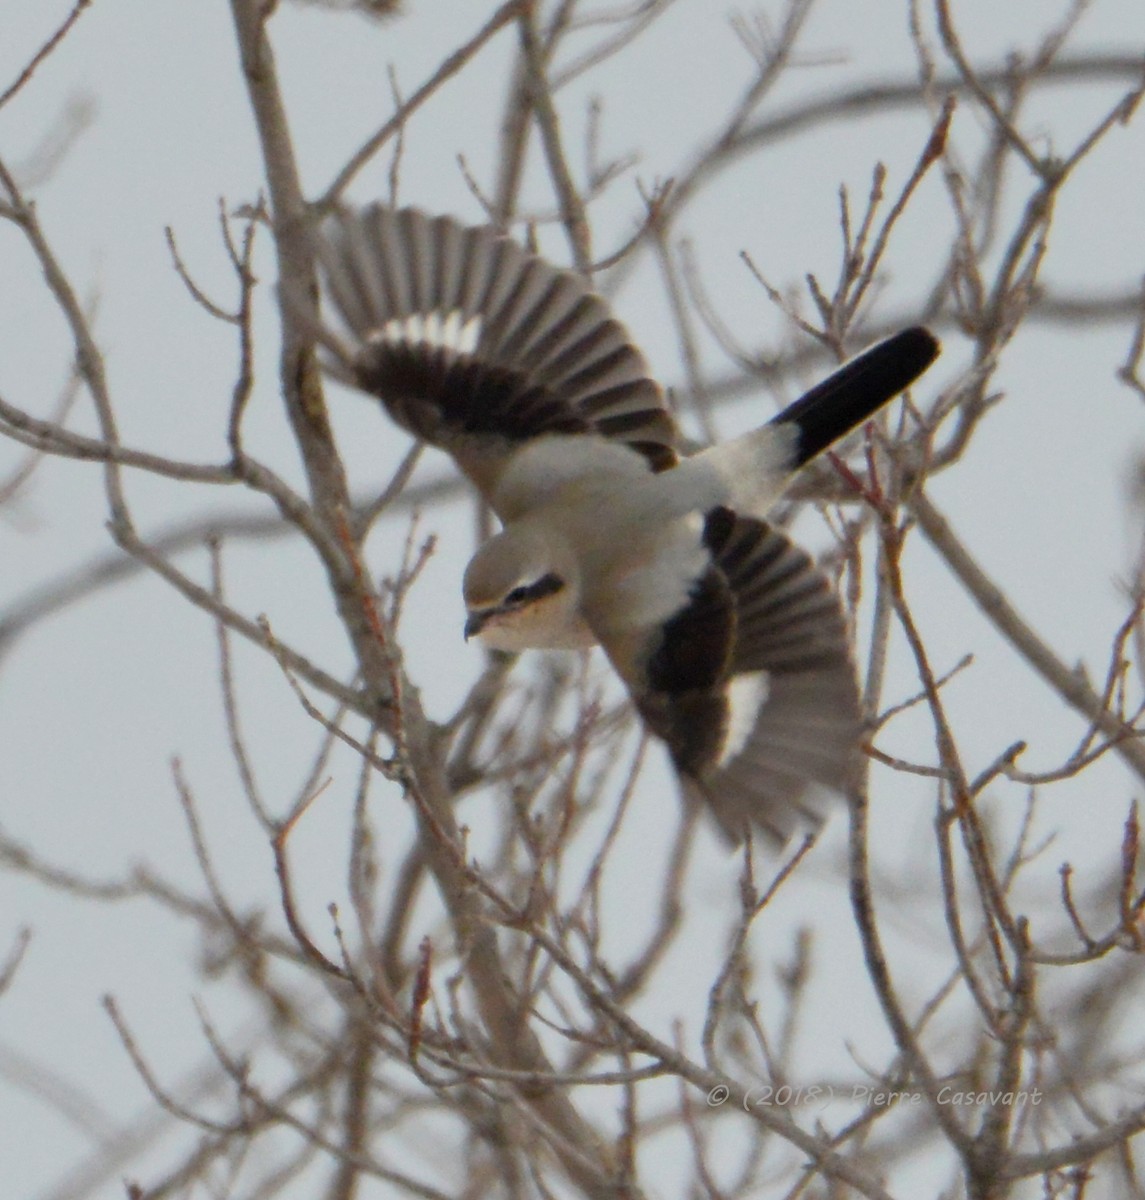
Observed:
{"x":731,"y":641}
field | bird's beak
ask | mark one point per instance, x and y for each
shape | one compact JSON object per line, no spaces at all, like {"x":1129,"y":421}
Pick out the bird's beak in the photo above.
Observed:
{"x":474,"y":623}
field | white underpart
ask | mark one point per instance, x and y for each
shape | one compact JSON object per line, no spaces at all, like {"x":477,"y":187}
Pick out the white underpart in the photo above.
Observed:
{"x":656,"y":581}
{"x":450,"y":332}
{"x":746,"y":695}
{"x":748,"y":473}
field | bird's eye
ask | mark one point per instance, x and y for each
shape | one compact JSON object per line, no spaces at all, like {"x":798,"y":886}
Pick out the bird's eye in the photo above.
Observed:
{"x":526,"y":593}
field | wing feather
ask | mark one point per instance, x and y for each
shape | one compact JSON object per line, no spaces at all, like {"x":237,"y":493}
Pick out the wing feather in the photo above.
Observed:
{"x":476,"y":345}
{"x":761,"y":613}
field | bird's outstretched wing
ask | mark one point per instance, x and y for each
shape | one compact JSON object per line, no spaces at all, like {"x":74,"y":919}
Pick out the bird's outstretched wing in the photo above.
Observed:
{"x":751,"y":684}
{"x":476,"y":345}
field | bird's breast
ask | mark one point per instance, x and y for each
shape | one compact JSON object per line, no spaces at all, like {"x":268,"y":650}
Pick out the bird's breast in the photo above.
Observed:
{"x":643,"y":576}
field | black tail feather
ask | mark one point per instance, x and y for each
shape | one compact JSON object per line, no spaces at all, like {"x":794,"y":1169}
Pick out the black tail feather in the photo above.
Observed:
{"x":857,"y":390}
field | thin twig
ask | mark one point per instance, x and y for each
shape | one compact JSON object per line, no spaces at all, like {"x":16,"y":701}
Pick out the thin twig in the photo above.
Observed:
{"x":43,"y":52}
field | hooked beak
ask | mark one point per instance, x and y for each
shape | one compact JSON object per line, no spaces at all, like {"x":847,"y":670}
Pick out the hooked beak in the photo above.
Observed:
{"x":475,"y":622}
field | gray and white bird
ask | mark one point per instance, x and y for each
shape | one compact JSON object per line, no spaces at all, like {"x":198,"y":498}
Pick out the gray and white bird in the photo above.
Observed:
{"x":730,"y":640}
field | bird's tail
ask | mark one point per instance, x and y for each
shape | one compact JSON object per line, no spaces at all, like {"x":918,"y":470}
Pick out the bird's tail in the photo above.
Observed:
{"x":750,"y":472}
{"x":858,"y":389}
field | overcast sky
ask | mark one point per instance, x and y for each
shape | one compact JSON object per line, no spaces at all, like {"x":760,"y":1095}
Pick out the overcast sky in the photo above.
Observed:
{"x":96,"y":700}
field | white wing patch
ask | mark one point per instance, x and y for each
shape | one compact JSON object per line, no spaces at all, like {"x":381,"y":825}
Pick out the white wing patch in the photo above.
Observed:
{"x":746,"y":695}
{"x":432,"y":330}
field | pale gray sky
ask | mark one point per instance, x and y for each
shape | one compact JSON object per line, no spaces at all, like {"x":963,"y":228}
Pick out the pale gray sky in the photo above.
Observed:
{"x":94,"y":702}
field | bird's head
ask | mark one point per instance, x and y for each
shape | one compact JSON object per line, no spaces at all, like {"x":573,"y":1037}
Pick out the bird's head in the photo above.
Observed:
{"x":521,"y":593}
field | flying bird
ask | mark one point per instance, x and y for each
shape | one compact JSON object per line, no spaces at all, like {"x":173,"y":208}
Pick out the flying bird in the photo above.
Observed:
{"x":731,"y":642}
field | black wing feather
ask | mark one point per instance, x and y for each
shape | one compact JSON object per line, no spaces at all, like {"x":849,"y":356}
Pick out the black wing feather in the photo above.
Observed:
{"x":544,"y":356}
{"x":762,"y":611}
